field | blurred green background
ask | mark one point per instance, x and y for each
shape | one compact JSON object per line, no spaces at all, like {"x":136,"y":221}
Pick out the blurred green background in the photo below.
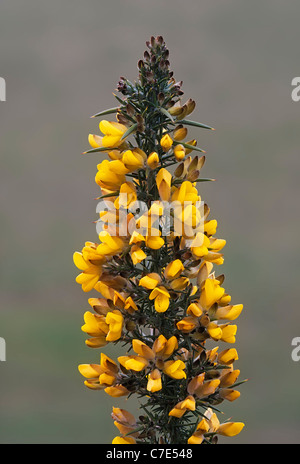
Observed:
{"x":61,"y":61}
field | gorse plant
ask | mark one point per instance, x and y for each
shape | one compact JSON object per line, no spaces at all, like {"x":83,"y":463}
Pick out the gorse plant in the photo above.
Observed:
{"x":158,"y":294}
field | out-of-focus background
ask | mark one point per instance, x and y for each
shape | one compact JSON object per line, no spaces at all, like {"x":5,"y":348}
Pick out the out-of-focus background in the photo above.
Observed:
{"x":61,"y":61}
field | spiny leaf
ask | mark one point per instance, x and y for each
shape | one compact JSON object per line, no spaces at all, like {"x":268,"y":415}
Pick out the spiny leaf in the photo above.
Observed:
{"x":192,"y":147}
{"x":196,"y":124}
{"x":166,"y":113}
{"x":96,"y":150}
{"x":103,"y":113}
{"x":129,"y":131}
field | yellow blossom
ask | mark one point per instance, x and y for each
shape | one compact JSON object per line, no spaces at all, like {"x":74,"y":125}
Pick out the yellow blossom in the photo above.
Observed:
{"x":166,"y":142}
{"x":153,"y":160}
{"x":179,"y":152}
{"x":173,"y":269}
{"x":163,"y":182}
{"x":154,"y":381}
{"x":175,"y":369}
{"x":91,"y":273}
{"x":179,"y":410}
{"x":137,"y":254}
{"x":161,"y":298}
{"x":113,"y":133}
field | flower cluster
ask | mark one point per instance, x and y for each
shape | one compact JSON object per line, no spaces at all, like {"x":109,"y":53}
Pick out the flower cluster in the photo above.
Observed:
{"x":156,"y":291}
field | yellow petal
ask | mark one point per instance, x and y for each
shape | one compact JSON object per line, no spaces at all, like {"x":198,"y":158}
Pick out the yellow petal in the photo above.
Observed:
{"x":154,"y":381}
{"x":90,"y":371}
{"x":153,"y":160}
{"x":142,"y":349}
{"x":166,"y":142}
{"x":116,"y":391}
{"x":123,"y":441}
{"x":95,"y":141}
{"x":163,"y":182}
{"x":230,"y":429}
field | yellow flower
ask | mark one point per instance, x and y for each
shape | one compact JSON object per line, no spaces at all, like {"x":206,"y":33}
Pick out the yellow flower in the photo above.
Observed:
{"x":201,"y":388}
{"x":211,"y":424}
{"x":114,"y":320}
{"x":164,"y":348}
{"x":173,"y":269}
{"x":100,"y":376}
{"x":134,"y":363}
{"x":211,"y":292}
{"x":199,"y":246}
{"x":166,"y":142}
{"x":153,"y":160}
{"x":228,"y":356}
{"x":130,"y":305}
{"x":161,"y":350}
{"x":175,"y":369}
{"x":127,"y":196}
{"x":214,"y":331}
{"x":124,"y":421}
{"x":110,"y":245}
{"x":210,"y":227}
{"x":155,"y":242}
{"x":96,"y":326}
{"x":179,"y":152}
{"x":95,"y":140}
{"x":161,"y":298}
{"x":113,"y":133}
{"x":154,"y":381}
{"x":180,"y":284}
{"x":116,"y":391}
{"x":229,"y":377}
{"x":186,"y":193}
{"x":163,"y":182}
{"x":90,"y":263}
{"x":134,"y":159}
{"x":228,"y":333}
{"x":180,"y":133}
{"x":230,"y":313}
{"x":231,"y":429}
{"x":229,"y":394}
{"x":111,"y":174}
{"x":180,"y":409}
{"x":137,"y":254}
{"x":194,"y":310}
{"x":187,"y":324}
{"x":150,"y":281}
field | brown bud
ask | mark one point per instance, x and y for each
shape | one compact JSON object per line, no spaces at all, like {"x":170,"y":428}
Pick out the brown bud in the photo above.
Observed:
{"x":130,"y":326}
{"x":141,"y":64}
{"x":212,"y":374}
{"x":204,"y":320}
{"x":192,"y":176}
{"x":161,"y":97}
{"x":130,"y":110}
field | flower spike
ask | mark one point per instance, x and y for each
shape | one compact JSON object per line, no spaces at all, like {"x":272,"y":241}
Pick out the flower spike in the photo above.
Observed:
{"x":154,"y":269}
